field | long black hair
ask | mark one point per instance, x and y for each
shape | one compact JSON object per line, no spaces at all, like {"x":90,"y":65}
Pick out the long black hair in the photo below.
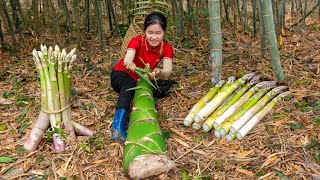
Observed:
{"x":155,"y":18}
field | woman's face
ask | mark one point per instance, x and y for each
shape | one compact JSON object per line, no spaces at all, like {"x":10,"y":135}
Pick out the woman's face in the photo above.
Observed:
{"x":154,"y":35}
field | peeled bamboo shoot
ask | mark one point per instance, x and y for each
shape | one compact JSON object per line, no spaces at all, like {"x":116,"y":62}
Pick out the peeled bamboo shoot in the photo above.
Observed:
{"x":261,"y":114}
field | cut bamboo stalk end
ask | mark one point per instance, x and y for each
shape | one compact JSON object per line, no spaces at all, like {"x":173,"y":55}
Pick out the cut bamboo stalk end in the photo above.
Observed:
{"x":148,"y":165}
{"x":196,"y":126}
{"x":217,"y":133}
{"x":230,"y":137}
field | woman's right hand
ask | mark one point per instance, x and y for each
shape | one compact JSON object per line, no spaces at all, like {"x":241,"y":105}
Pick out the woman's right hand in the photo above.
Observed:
{"x":130,"y":66}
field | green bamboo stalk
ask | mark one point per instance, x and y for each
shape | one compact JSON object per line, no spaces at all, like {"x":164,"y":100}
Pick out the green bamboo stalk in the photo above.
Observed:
{"x":261,"y":114}
{"x":225,"y":126}
{"x":232,"y":109}
{"x":215,"y":40}
{"x":202,"y":102}
{"x":211,"y":106}
{"x":262,"y":31}
{"x":272,"y":39}
{"x":144,"y":151}
{"x":208,"y":124}
{"x":253,"y":110}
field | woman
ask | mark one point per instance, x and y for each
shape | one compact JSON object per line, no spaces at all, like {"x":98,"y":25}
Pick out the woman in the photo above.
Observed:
{"x":150,"y":49}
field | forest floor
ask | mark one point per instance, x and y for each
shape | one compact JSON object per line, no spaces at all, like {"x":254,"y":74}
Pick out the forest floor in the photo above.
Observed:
{"x":284,"y":145}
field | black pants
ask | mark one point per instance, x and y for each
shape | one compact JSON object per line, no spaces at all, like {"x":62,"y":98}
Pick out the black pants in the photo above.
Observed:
{"x":121,"y":81}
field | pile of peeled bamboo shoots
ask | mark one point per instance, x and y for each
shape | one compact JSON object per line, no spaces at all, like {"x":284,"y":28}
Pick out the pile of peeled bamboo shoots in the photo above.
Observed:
{"x":54,"y":69}
{"x":233,"y":107}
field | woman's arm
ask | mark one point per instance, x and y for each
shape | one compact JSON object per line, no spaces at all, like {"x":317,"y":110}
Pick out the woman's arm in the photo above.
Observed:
{"x":166,"y":71}
{"x":128,"y":59}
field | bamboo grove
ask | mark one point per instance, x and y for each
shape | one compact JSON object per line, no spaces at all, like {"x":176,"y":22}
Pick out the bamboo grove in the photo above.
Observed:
{"x":189,"y":20}
{"x":231,"y":109}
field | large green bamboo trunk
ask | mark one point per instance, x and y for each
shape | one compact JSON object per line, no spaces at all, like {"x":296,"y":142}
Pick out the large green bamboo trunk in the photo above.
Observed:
{"x":144,"y":152}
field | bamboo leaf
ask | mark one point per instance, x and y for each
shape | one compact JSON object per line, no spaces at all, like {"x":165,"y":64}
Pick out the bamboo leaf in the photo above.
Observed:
{"x":22,"y":128}
{"x":85,"y":147}
{"x":144,"y":78}
{"x":134,"y":88}
{"x":294,"y":126}
{"x":314,"y":143}
{"x":281,"y":175}
{"x":279,"y":115}
{"x":4,"y":159}
{"x":3,"y":127}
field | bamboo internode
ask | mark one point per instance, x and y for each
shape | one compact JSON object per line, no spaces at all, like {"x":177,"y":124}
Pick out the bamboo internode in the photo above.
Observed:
{"x":234,"y":105}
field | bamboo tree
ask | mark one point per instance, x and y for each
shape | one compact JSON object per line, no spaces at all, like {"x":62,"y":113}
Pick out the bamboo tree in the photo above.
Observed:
{"x":226,"y":5}
{"x":262,"y":31}
{"x":272,"y":40}
{"x":97,"y":7}
{"x":181,"y":19}
{"x":194,"y":20}
{"x":77,"y":21}
{"x":244,"y":9}
{"x":111,"y":17}
{"x":178,"y":20}
{"x":215,"y":40}
{"x":1,"y":33}
{"x":87,"y":15}
{"x":35,"y":13}
{"x":11,"y":30}
{"x":254,"y":16}
{"x":66,"y":12}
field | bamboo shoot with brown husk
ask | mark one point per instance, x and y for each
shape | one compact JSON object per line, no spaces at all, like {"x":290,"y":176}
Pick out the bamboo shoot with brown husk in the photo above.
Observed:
{"x":234,"y":110}
{"x":225,"y":126}
{"x":211,"y":106}
{"x":261,"y":114}
{"x":257,"y":107}
{"x":202,"y":102}
{"x":208,"y":124}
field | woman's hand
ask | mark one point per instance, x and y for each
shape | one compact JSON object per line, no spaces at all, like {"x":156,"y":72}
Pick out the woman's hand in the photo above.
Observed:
{"x":156,"y":73}
{"x":130,"y":66}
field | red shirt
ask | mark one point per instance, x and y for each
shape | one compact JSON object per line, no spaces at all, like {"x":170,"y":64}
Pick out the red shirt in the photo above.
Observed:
{"x":148,"y":55}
